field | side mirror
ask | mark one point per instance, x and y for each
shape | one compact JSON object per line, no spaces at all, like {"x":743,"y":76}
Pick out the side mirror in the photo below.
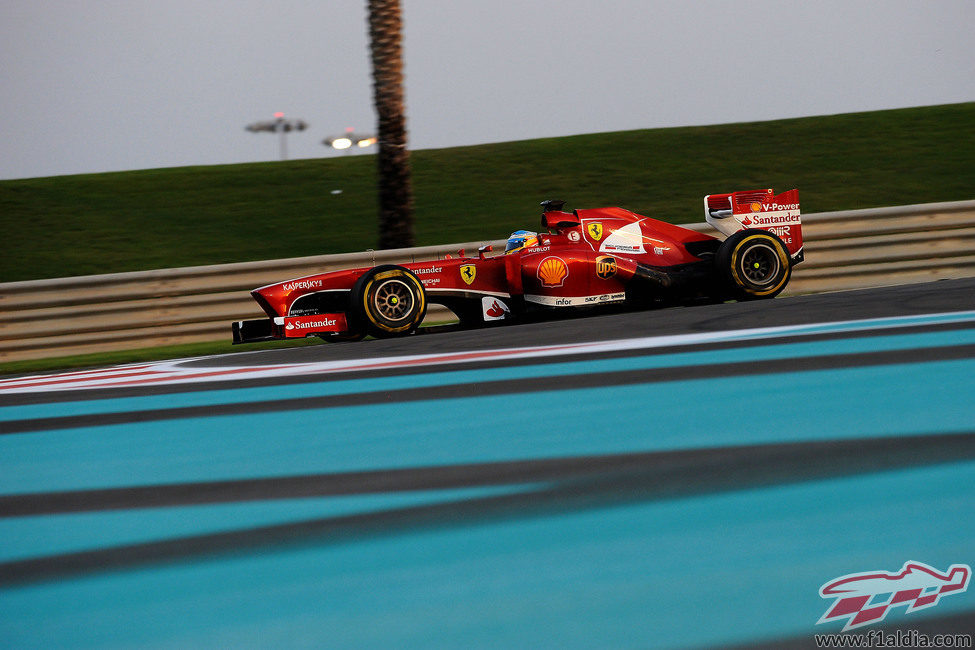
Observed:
{"x":484,"y":249}
{"x":559,"y":220}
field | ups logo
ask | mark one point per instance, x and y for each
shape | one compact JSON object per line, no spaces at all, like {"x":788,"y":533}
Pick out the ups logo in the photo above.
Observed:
{"x":605,"y":266}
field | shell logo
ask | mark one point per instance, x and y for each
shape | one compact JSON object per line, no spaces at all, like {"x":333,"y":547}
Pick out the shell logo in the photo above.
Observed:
{"x":553,"y":272}
{"x":756,"y":207}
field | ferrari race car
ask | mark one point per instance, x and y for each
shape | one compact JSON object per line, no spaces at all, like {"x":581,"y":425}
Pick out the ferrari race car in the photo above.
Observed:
{"x":579,"y":260}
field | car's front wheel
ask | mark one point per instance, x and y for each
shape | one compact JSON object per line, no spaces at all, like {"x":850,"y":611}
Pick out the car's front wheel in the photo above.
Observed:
{"x":388,"y":301}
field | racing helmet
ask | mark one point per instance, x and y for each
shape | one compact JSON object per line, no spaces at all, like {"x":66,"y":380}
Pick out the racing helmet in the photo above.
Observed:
{"x":520,"y":239}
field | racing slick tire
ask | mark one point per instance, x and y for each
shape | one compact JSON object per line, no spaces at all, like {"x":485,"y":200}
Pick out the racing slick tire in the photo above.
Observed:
{"x":754,"y":264}
{"x":387,"y":301}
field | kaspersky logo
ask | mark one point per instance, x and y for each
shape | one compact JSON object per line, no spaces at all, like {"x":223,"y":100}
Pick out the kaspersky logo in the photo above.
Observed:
{"x":865,"y":598}
{"x":302,"y":284}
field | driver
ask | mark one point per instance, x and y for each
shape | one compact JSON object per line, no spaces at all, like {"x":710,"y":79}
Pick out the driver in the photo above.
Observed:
{"x":521,"y":239}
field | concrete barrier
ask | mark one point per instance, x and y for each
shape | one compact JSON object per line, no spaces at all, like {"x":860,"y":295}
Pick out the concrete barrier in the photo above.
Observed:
{"x":97,"y":313}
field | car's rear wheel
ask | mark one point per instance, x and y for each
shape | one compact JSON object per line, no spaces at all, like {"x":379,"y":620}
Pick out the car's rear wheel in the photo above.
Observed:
{"x":388,"y":301}
{"x":753,"y":264}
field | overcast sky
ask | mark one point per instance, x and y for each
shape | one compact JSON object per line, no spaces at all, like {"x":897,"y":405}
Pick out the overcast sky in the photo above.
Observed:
{"x":103,"y":85}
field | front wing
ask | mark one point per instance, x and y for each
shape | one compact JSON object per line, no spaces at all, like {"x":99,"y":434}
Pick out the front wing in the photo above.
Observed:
{"x":287,"y":327}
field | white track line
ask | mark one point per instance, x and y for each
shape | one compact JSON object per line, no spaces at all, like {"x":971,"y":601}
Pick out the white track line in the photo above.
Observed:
{"x":173,"y":372}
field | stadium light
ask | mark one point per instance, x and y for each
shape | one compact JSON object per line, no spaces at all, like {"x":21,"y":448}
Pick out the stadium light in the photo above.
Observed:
{"x":280,"y":126}
{"x":349,"y":140}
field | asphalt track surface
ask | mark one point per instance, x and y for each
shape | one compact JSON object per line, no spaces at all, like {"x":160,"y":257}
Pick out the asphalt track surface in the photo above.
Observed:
{"x":684,"y":488}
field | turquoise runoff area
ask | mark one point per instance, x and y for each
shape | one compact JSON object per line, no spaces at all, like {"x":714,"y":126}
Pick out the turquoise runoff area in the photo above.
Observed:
{"x":729,"y":566}
{"x":892,"y":400}
{"x":700,"y":571}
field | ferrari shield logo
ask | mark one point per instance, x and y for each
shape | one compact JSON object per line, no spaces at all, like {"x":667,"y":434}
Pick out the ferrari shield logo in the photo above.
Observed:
{"x":467,"y":272}
{"x":595,"y":230}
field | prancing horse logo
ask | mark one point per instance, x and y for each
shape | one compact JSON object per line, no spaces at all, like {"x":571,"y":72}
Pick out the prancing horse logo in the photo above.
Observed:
{"x":467,"y":273}
{"x":595,"y":230}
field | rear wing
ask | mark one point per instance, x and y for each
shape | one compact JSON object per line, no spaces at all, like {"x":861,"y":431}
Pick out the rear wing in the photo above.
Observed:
{"x":758,"y":209}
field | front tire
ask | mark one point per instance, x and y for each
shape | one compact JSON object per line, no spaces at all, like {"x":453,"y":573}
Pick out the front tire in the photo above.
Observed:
{"x":753,"y":264}
{"x":388,"y":301}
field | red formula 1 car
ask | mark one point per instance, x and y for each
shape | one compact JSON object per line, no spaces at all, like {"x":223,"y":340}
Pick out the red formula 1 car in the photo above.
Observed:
{"x":581,"y":259}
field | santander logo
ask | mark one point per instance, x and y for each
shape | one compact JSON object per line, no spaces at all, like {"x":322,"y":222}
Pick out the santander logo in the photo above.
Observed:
{"x":496,"y":310}
{"x":302,"y":325}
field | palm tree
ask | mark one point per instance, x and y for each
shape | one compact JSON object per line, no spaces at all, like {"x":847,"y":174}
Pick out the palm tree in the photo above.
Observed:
{"x":395,"y":190}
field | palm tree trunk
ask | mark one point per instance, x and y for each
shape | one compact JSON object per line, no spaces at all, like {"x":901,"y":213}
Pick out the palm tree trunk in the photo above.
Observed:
{"x":395,"y":190}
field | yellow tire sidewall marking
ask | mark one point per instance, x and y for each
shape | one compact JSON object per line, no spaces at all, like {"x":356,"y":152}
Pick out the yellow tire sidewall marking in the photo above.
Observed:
{"x":783,"y":260}
{"x":419,"y":294}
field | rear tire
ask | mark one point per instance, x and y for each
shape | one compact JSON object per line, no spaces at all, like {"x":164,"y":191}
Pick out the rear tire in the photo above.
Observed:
{"x":753,"y":264}
{"x":388,"y":301}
